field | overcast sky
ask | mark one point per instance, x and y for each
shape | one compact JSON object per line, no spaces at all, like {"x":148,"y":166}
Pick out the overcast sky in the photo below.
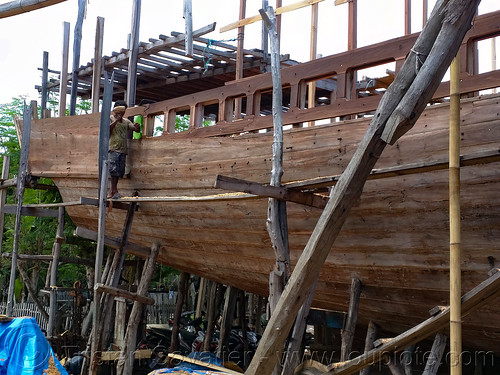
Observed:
{"x":23,"y":38}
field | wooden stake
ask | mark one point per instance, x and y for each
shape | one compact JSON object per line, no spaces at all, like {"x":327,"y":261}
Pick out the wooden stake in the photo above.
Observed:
{"x":181,"y":294}
{"x":125,"y":366}
{"x":63,"y":79}
{"x":352,"y":317}
{"x":201,"y":296}
{"x":393,"y":364}
{"x":352,"y":37}
{"x":56,"y":252}
{"x":455,"y":241}
{"x":407,"y":17}
{"x":295,"y":344}
{"x":437,"y":351}
{"x":446,"y":38}
{"x":211,"y":313}
{"x":97,"y":66}
{"x":371,"y":335}
{"x":227,"y":321}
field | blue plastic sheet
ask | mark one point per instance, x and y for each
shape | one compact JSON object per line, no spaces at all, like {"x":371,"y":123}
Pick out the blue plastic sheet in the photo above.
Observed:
{"x":24,"y":350}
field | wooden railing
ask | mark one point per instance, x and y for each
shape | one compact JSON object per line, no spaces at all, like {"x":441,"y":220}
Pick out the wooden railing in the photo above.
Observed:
{"x":338,"y":72}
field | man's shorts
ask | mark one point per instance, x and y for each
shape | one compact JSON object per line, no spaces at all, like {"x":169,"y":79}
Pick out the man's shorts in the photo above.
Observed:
{"x":116,"y":163}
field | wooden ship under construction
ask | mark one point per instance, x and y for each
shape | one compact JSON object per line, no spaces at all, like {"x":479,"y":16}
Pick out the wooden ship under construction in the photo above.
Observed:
{"x":202,"y":194}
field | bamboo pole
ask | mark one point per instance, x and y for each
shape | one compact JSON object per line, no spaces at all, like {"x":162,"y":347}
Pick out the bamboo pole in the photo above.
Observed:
{"x":455,"y":240}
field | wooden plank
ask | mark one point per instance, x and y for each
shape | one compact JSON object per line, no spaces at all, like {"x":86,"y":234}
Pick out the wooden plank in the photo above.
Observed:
{"x":16,"y":7}
{"x":197,"y":362}
{"x":471,"y":301}
{"x":117,"y":292}
{"x":277,"y":11}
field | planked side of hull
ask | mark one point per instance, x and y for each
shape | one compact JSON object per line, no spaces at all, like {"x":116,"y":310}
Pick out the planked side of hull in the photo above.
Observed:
{"x":395,"y":240}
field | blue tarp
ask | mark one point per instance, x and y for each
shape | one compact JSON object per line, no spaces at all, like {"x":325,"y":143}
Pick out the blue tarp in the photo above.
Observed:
{"x":24,"y":350}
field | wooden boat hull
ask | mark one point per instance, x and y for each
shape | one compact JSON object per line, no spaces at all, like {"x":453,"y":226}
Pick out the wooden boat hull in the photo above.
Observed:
{"x":396,"y":239}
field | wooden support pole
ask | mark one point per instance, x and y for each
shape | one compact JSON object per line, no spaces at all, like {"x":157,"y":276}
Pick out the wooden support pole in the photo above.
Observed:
{"x":22,"y":173}
{"x":352,"y":318}
{"x":56,"y":252}
{"x":242,"y":317}
{"x":352,"y":36}
{"x":227,"y":321}
{"x":239,"y":58}
{"x":264,"y":39}
{"x":201,"y":296}
{"x":125,"y":365}
{"x":211,"y":314}
{"x":33,"y":294}
{"x":407,"y":17}
{"x":393,"y":364}
{"x":313,"y":51}
{"x":279,"y":4}
{"x":98,"y":64}
{"x":113,"y":278}
{"x":3,"y":196}
{"x":444,"y":35}
{"x":104,"y":123}
{"x":77,"y":42}
{"x":45,"y":78}
{"x":133,"y":53}
{"x":437,"y":351}
{"x":63,"y":79}
{"x":371,"y":335}
{"x":188,"y":19}
{"x":117,"y":292}
{"x":181,"y":295}
{"x":294,"y":352}
{"x":425,"y":11}
{"x":455,"y":235}
{"x":94,"y":359}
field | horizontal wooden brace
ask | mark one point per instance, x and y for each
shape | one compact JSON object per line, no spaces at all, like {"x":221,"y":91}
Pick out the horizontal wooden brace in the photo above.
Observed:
{"x":95,"y":202}
{"x":30,"y":211}
{"x":49,"y":258}
{"x":281,"y":193}
{"x":139,"y":250}
{"x":123,"y":293}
